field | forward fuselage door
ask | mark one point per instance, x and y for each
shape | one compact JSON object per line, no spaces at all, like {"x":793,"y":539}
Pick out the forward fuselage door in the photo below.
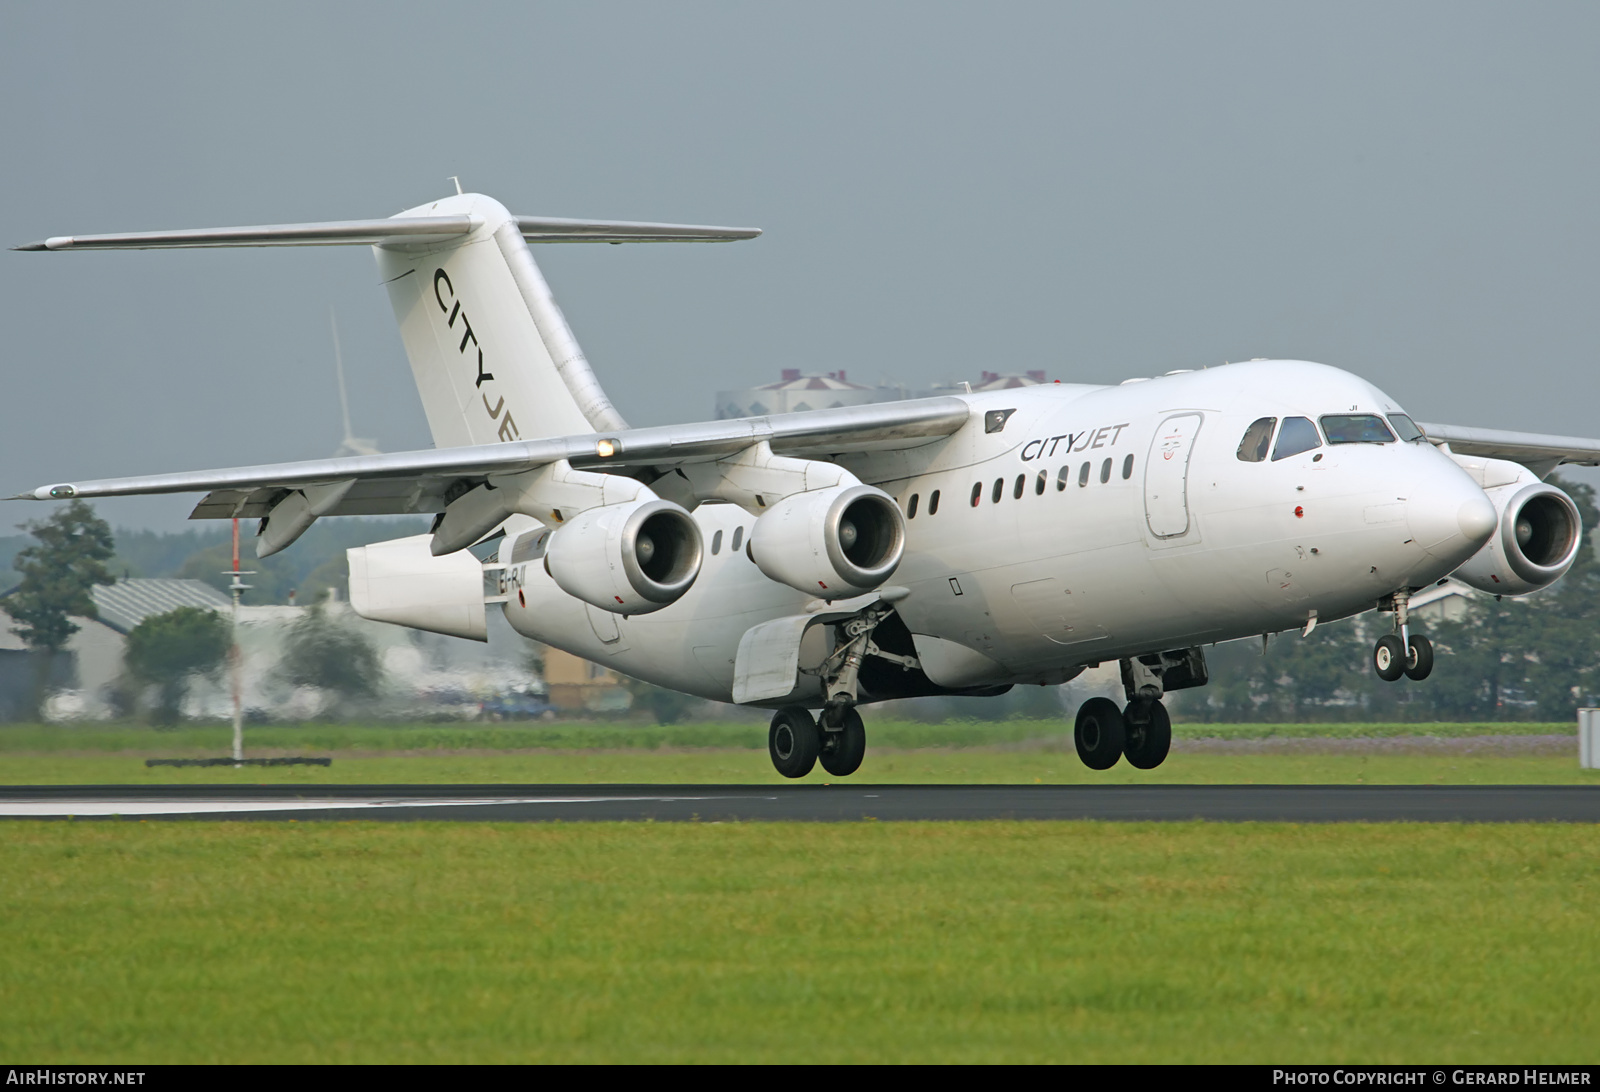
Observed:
{"x":1166,"y":475}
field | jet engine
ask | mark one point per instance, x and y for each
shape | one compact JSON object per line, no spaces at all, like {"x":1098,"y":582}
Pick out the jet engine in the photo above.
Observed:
{"x":628,"y":558}
{"x":830,"y":543}
{"x":1534,"y":544}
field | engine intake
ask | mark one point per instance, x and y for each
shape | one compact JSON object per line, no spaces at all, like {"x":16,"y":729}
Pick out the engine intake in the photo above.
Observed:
{"x":831,"y":543}
{"x":626,"y":558}
{"x":1534,"y":545}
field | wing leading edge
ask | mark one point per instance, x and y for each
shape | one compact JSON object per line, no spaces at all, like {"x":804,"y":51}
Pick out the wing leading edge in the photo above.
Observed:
{"x":1538,"y":452}
{"x":425,"y":481}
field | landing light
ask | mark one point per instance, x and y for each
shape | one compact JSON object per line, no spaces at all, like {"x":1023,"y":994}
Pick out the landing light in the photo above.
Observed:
{"x":605,"y":448}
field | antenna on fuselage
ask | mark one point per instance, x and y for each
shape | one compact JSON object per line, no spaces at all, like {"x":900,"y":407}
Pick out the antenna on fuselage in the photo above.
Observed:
{"x":457,"y":181}
{"x":350,"y":445}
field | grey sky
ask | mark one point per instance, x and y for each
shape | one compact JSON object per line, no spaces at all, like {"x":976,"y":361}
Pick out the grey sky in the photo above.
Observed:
{"x":1102,"y":191}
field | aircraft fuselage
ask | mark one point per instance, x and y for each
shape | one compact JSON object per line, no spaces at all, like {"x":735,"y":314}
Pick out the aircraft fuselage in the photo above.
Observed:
{"x":1079,"y":524}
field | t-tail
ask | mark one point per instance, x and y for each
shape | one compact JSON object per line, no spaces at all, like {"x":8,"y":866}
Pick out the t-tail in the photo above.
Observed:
{"x":492,"y":355}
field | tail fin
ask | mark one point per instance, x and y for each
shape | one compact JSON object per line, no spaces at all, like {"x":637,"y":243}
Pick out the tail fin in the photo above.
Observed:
{"x":492,"y":355}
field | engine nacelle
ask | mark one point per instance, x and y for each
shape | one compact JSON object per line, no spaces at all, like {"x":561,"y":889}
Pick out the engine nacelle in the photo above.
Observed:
{"x":1534,"y":545}
{"x":629,"y":558}
{"x":830,"y":543}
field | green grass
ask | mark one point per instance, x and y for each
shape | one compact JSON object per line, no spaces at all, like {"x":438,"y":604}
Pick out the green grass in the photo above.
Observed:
{"x":430,"y":942}
{"x":321,"y":738}
{"x":974,"y":765}
{"x":1011,"y":752}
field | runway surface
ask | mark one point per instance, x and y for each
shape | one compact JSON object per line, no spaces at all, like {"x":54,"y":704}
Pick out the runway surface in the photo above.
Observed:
{"x":812,"y":803}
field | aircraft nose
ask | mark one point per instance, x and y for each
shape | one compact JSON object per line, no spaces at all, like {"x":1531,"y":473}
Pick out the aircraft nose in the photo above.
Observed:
{"x":1449,"y":515}
{"x":1477,"y":519}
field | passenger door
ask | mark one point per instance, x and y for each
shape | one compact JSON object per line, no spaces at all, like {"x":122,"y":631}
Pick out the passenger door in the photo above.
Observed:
{"x":1166,"y":475}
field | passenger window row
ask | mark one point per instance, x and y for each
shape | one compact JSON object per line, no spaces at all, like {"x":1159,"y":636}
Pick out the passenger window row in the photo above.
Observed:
{"x":1041,"y":482}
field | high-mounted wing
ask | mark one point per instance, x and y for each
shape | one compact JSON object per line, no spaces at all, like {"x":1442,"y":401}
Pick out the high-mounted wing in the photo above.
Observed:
{"x":1538,"y":452}
{"x":426,"y":481}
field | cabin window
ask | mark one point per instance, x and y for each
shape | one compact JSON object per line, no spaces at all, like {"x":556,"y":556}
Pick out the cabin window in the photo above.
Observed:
{"x":1022,"y":483}
{"x":1253,"y":448}
{"x":1127,"y":468}
{"x":1356,"y":428}
{"x":738,"y":537}
{"x":1083,"y":475}
{"x":911,"y":509}
{"x":1406,"y":427}
{"x":1297,"y":434}
{"x":716,"y":543}
{"x":1062,"y":477}
{"x":1039,"y":483}
{"x":1105,"y":471}
{"x":933,"y":503}
{"x":999,"y":489}
{"x":977,"y":493}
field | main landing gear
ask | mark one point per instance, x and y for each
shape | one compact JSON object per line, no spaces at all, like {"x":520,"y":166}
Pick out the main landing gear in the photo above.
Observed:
{"x":797,"y":742}
{"x":837,"y":738}
{"x":1402,"y":652}
{"x":1140,"y":731}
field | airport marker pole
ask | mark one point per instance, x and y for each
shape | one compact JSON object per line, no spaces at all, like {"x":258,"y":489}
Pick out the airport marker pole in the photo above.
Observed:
{"x":234,"y":655}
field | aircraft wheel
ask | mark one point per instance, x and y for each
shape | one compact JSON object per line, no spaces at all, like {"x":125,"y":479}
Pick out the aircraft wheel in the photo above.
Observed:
{"x":842,"y":751}
{"x":1099,"y":733}
{"x":1420,"y":663}
{"x":793,"y":741}
{"x":1147,"y":731}
{"x":1388,"y":658}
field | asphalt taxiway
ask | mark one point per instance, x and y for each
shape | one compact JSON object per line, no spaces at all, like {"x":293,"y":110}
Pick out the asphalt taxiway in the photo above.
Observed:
{"x":812,"y":803}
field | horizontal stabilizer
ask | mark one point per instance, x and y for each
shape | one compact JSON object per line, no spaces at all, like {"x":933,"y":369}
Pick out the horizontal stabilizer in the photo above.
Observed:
{"x":413,"y":230}
{"x":406,"y":231}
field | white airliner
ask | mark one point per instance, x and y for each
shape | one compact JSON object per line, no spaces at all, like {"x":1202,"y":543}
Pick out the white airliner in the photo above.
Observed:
{"x":825,"y":560}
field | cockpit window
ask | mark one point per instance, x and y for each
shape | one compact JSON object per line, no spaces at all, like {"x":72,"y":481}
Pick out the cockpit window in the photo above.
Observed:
{"x":1406,"y":427}
{"x":1356,"y":428}
{"x":1253,"y":448}
{"x":1298,"y":434}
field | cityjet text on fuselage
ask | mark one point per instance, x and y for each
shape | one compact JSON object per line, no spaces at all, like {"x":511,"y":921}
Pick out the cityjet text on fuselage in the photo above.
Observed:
{"x":1046,"y":447}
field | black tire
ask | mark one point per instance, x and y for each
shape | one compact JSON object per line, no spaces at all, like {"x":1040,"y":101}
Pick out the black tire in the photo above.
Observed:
{"x":1420,"y":664}
{"x":1099,"y":733}
{"x":1388,"y":658}
{"x":793,"y":741}
{"x":1147,"y":731}
{"x":842,"y":751}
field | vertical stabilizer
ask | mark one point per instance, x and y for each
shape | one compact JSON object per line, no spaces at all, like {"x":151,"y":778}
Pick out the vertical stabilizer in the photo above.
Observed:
{"x":493,"y":357}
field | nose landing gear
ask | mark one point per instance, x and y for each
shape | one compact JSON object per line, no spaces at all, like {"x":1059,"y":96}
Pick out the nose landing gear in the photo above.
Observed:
{"x":1402,"y":653}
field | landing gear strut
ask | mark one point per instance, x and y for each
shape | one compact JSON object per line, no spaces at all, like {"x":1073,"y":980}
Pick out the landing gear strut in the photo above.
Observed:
{"x":837,"y":738}
{"x":1402,"y":652}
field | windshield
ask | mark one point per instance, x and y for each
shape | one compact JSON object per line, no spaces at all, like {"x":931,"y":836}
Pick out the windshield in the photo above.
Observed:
{"x":1253,"y":448}
{"x":1406,"y":427}
{"x":1297,"y":434}
{"x":1356,"y":428}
